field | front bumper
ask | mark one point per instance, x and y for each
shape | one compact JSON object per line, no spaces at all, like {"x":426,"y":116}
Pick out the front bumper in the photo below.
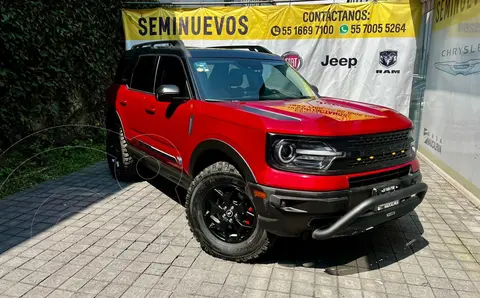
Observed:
{"x":337,"y":213}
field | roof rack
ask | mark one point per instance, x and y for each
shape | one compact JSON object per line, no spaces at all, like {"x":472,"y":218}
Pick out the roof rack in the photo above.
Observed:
{"x":170,"y":43}
{"x":173,"y":43}
{"x":252,"y":48}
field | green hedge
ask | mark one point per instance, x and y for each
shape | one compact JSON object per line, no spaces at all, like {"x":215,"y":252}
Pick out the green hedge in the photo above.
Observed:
{"x":56,"y":60}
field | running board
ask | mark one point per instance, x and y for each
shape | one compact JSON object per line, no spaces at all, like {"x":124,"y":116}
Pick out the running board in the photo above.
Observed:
{"x":167,"y":171}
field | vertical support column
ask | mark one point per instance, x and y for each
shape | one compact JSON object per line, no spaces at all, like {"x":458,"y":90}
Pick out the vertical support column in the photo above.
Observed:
{"x":420,"y":70}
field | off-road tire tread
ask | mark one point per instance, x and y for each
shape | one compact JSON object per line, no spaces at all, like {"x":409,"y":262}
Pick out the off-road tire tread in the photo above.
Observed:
{"x":128,"y":168}
{"x":227,"y":169}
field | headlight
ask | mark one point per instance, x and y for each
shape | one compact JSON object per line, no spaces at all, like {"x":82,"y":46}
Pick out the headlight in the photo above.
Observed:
{"x":285,"y":152}
{"x":302,"y":155}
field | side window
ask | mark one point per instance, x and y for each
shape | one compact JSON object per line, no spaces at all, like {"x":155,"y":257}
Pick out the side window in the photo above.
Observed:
{"x":144,"y":74}
{"x":171,"y":72}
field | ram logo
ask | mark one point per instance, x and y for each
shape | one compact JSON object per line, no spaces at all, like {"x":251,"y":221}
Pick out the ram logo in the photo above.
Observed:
{"x":455,"y":68}
{"x":388,"y":58}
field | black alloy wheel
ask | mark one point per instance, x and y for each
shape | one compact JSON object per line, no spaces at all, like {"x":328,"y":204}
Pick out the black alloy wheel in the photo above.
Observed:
{"x":222,"y":216}
{"x":229,"y":213}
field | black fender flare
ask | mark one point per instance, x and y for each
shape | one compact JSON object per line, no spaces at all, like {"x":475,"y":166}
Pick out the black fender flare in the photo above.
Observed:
{"x":227,"y":149}
{"x":111,"y":114}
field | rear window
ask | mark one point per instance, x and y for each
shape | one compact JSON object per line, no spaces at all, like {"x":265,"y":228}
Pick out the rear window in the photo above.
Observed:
{"x":124,"y":70}
{"x":144,"y":74}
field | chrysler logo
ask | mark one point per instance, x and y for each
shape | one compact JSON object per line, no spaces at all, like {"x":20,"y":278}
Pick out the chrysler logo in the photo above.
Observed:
{"x":455,"y":68}
{"x":388,"y":58}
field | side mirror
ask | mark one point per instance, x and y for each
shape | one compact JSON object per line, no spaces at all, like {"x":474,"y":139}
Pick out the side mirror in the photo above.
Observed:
{"x":314,"y":88}
{"x":167,"y":92}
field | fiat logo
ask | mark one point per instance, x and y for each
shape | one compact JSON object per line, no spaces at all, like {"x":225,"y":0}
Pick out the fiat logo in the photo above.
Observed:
{"x":293,"y":58}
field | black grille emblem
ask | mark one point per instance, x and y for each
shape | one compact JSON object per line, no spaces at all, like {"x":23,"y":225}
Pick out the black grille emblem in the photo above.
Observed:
{"x":388,"y":58}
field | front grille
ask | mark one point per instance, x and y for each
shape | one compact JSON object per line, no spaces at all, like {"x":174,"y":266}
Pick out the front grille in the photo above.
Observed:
{"x":382,"y":158}
{"x":370,"y":152}
{"x":357,"y":142}
{"x":378,"y":178}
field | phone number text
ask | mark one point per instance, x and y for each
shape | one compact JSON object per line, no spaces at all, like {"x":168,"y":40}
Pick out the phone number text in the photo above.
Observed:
{"x":302,"y":30}
{"x":377,"y":28}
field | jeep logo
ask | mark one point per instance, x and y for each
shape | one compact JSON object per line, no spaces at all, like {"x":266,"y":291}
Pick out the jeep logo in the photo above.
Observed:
{"x":349,"y":62}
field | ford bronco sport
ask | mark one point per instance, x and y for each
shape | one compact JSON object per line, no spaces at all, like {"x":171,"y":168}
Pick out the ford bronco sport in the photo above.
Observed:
{"x":259,"y":151}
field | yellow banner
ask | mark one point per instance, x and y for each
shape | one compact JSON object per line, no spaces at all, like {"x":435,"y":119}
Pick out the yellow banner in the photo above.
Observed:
{"x":448,"y":13}
{"x":362,"y":20}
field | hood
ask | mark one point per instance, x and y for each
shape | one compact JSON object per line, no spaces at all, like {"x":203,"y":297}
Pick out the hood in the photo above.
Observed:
{"x":326,"y":116}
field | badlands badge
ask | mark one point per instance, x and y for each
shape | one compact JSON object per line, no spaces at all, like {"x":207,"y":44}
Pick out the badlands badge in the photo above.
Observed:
{"x":333,"y":111}
{"x":293,"y":58}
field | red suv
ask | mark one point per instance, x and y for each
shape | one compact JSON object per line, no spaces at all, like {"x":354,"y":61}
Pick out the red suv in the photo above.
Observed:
{"x":259,"y":151}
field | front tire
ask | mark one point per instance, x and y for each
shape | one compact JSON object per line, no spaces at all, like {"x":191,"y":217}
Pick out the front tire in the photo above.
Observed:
{"x":222,"y":217}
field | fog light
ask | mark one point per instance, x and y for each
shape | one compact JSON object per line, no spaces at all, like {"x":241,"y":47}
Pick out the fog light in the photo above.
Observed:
{"x":259,"y":194}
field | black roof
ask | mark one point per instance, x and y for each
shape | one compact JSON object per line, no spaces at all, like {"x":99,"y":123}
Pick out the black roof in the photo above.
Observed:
{"x":177,"y":48}
{"x":233,"y":53}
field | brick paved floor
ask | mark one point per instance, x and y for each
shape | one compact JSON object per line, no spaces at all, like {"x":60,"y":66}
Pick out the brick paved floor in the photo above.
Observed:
{"x":85,"y":235}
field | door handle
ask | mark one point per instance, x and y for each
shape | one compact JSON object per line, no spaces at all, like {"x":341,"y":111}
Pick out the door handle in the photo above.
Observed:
{"x":150,"y":111}
{"x":123,"y":102}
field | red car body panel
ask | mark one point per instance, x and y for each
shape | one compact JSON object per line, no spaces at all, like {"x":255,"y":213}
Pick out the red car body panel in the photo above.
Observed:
{"x":311,"y":165}
{"x":245,"y":129}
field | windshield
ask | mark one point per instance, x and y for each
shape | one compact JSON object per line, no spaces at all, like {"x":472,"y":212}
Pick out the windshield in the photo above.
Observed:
{"x":248,"y":79}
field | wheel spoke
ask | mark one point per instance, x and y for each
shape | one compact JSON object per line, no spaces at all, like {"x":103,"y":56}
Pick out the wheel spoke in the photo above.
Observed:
{"x":229,"y":213}
{"x":222,"y":227}
{"x":250,"y":212}
{"x":224,"y":196}
{"x":239,"y":196}
{"x":218,"y":191}
{"x":227,"y":198}
{"x":230,"y":236}
{"x":214,"y":203}
{"x":215,"y":208}
{"x":215,"y":219}
{"x":242,"y":225}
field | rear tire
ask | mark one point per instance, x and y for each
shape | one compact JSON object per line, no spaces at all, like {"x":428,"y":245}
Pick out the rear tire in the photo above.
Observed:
{"x":249,"y":241}
{"x":122,"y":166}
